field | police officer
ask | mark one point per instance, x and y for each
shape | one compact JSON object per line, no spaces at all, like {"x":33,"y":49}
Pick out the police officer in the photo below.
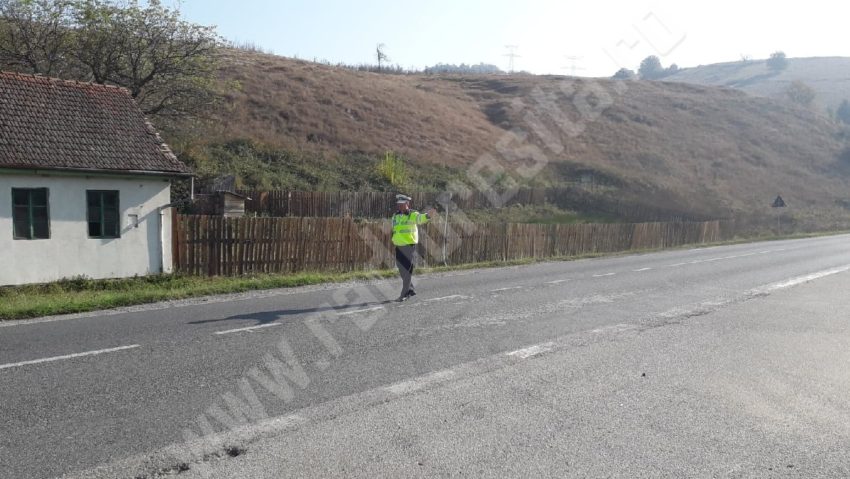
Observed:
{"x":405,"y":238}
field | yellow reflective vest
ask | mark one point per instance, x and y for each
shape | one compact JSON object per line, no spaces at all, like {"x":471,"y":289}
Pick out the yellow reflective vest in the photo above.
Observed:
{"x":405,"y":231}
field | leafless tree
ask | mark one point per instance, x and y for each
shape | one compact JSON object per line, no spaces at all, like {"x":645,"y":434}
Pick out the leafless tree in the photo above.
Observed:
{"x":381,"y":56}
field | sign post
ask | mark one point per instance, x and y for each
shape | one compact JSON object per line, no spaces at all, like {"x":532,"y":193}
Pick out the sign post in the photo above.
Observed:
{"x":778,"y":203}
{"x":445,"y":199}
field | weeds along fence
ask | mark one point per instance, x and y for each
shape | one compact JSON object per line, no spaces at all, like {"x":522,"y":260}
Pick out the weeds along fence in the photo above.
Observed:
{"x":216,"y":246}
{"x":365,"y":204}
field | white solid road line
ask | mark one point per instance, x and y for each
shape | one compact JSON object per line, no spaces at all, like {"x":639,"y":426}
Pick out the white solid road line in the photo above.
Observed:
{"x":367,"y":310}
{"x":530,"y":351}
{"x":250,"y":328}
{"x":69,"y":356}
{"x":802,"y":279}
{"x":603,"y":275}
{"x":711,"y":305}
{"x":505,"y":289}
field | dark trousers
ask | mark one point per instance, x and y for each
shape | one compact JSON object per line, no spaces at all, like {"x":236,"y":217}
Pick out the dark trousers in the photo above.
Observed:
{"x":404,"y":260}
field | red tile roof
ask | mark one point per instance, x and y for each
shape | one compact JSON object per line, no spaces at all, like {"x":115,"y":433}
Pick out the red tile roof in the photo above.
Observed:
{"x":46,"y":123}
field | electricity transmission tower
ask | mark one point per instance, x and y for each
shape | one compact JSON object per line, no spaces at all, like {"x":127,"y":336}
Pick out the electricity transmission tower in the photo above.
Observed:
{"x":512,"y":56}
{"x":573,"y":64}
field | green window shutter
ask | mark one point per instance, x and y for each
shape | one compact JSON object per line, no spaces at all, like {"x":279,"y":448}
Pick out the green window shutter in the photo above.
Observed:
{"x":111,"y":215}
{"x":103,"y":214}
{"x":40,"y":214}
{"x":93,"y":213}
{"x":21,"y":222}
{"x":30,"y":213}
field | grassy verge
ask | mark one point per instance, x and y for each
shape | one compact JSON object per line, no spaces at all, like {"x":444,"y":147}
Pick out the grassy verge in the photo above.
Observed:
{"x":82,"y":295}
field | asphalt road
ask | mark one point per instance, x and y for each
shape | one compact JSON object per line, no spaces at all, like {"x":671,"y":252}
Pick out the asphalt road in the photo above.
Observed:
{"x":338,"y":377}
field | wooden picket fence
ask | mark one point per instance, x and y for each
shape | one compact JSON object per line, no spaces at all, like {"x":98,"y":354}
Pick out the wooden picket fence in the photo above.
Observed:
{"x":372,"y":204}
{"x":216,"y":246}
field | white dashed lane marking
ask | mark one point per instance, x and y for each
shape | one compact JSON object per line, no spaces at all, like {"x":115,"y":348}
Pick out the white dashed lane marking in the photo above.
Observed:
{"x":368,"y":310}
{"x":642,"y":270}
{"x":530,"y":351}
{"x":250,"y":328}
{"x":557,"y":281}
{"x":505,"y":289}
{"x":603,"y":275}
{"x":69,"y":356}
{"x":721,"y":258}
{"x":409,"y":386}
{"x":444,"y":298}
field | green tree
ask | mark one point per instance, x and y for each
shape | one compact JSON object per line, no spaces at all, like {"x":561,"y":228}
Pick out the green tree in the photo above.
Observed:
{"x":624,"y":74}
{"x":167,"y":64}
{"x":650,"y":68}
{"x":777,"y":61}
{"x":35,"y":36}
{"x":800,"y":93}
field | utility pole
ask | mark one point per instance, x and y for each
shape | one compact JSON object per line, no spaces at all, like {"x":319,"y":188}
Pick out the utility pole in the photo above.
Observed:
{"x":512,"y":55}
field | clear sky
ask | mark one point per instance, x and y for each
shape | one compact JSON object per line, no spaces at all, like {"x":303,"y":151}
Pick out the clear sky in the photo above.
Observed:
{"x":603,"y":35}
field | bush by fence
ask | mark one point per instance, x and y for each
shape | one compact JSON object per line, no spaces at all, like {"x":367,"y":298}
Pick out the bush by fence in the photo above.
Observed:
{"x":207,"y":245}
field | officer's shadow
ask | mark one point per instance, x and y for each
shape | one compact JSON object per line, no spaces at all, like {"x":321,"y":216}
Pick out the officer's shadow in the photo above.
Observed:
{"x":266,"y":317}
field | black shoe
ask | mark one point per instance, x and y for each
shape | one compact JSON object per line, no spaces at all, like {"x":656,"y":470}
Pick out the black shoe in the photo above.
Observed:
{"x":411,"y":293}
{"x":402,"y":299}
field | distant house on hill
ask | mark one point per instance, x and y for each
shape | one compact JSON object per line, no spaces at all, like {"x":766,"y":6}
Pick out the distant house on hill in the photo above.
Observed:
{"x":84,"y":183}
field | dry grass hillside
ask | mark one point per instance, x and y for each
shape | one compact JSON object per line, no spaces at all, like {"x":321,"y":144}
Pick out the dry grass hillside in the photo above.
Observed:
{"x":303,"y":105}
{"x":829,"y":77}
{"x":709,"y":150}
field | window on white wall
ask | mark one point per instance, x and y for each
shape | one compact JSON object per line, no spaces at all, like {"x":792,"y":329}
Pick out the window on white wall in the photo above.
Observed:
{"x":30,"y":213}
{"x":104,"y":215}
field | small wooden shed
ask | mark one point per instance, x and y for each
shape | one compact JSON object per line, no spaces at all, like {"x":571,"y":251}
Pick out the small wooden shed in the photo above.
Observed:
{"x":221,"y":203}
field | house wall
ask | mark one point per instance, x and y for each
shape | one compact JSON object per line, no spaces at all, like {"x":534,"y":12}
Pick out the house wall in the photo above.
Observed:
{"x":70,"y":252}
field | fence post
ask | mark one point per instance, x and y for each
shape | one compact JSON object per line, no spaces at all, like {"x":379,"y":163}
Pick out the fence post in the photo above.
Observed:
{"x":175,"y":241}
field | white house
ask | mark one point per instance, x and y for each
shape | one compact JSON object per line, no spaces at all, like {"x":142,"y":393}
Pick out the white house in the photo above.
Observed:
{"x":84,"y":183}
